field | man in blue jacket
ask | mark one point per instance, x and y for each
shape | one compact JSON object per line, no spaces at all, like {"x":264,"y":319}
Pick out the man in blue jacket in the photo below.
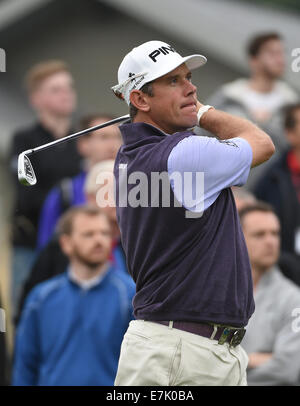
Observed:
{"x":187,"y":253}
{"x":72,"y":325}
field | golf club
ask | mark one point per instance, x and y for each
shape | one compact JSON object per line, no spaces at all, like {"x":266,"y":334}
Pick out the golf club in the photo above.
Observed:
{"x":26,"y":173}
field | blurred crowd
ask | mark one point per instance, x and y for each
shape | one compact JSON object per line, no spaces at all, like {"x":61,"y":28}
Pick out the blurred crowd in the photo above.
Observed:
{"x":71,"y":293}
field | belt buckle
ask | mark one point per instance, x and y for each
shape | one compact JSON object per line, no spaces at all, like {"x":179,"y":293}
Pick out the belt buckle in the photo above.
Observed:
{"x":224,"y":335}
{"x":237,"y":337}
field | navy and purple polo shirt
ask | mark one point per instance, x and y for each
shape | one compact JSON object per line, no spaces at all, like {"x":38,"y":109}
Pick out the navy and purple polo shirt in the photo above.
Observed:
{"x":188,"y":257}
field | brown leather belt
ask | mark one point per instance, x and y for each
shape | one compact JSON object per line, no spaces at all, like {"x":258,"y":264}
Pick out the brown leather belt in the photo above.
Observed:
{"x":222,"y":333}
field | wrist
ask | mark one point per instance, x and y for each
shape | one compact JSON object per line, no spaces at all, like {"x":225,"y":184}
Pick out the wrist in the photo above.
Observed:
{"x":202,"y":111}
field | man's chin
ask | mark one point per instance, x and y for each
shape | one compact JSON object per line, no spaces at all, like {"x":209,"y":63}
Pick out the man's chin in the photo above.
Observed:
{"x":189,"y":122}
{"x":276,"y":75}
{"x":94,"y":264}
{"x":192,"y":120}
{"x":269,"y":263}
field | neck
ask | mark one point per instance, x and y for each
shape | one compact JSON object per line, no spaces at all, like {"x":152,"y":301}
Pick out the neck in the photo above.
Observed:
{"x":261,"y":83}
{"x":57,"y":125}
{"x":145,"y":118}
{"x":257,"y":273}
{"x":84,"y":272}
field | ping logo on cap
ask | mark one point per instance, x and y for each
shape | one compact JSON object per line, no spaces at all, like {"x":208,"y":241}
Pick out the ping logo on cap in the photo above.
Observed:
{"x":160,"y":51}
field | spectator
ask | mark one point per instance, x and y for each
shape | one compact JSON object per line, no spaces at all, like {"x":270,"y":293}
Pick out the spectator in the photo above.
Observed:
{"x":272,"y":344}
{"x":52,"y":96}
{"x":262,"y":96}
{"x":280,"y":187}
{"x":96,"y":146}
{"x":102,"y":173}
{"x":52,"y":261}
{"x":72,"y":325}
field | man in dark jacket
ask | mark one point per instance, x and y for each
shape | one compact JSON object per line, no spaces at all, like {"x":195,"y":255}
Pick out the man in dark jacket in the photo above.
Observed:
{"x":280,"y":187}
{"x":51,"y":94}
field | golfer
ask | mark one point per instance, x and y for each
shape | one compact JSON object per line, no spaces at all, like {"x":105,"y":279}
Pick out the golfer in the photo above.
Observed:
{"x":188,"y":258}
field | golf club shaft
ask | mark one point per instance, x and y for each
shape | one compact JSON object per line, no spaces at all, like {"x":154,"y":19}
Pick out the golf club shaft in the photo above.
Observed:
{"x":77,"y":134}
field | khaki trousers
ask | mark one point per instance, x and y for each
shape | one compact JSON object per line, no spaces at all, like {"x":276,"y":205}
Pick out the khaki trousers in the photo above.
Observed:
{"x":156,"y":355}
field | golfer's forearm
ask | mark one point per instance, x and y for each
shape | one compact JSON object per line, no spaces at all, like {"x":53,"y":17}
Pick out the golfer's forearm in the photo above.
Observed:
{"x":226,"y":126}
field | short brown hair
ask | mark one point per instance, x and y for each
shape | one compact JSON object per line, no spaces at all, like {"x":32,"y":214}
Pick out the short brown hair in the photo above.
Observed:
{"x":147,"y":89}
{"x":257,"y":206}
{"x":289,"y":116}
{"x":255,"y":44}
{"x":65,"y":223}
{"x":41,"y":71}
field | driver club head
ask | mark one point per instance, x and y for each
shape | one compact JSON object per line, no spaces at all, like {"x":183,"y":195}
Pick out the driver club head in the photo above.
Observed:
{"x":26,"y":173}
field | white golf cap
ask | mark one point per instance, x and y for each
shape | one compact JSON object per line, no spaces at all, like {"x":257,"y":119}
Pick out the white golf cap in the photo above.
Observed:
{"x":148,"y":62}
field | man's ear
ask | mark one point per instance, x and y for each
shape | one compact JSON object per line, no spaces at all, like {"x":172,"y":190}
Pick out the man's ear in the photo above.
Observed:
{"x":65,"y":244}
{"x":139,"y":100}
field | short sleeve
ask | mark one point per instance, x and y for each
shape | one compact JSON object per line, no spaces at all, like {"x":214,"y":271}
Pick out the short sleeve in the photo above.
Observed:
{"x":221,"y":164}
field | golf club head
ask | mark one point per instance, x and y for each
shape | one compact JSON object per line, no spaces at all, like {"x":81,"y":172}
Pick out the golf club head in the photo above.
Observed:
{"x":26,"y":173}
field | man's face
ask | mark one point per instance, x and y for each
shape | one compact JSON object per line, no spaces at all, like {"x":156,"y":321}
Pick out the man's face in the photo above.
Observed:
{"x":270,"y":59}
{"x":90,"y":240}
{"x":293,"y":135}
{"x":55,"y":95}
{"x":105,"y":143}
{"x":173,"y":104}
{"x":261,"y":231}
